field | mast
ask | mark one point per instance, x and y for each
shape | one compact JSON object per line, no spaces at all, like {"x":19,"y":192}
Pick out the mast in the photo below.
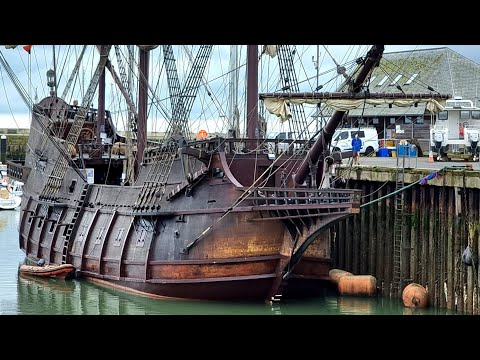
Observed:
{"x":142,"y":103}
{"x":130,"y":175}
{"x":252,"y":94}
{"x":233,"y":91}
{"x":54,"y":73}
{"x":372,"y":58}
{"x":101,"y":103}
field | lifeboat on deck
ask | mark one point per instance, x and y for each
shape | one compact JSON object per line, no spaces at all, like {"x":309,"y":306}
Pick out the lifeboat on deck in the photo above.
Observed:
{"x":63,"y":271}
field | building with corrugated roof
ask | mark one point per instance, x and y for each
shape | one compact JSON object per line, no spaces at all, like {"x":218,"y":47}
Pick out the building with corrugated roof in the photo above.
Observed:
{"x":435,"y":70}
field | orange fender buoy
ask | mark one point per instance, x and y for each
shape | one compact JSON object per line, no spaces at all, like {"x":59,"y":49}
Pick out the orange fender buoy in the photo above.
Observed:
{"x":415,"y":296}
{"x":357,"y":285}
{"x":336,"y":274}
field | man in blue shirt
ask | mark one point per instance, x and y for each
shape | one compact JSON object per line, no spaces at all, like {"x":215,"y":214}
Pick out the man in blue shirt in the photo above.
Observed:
{"x":356,"y":146}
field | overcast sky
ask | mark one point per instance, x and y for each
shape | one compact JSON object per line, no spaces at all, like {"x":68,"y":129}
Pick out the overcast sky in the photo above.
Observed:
{"x":18,"y":59}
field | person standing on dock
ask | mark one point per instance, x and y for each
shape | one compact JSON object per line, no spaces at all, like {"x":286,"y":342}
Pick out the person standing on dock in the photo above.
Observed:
{"x":356,"y":146}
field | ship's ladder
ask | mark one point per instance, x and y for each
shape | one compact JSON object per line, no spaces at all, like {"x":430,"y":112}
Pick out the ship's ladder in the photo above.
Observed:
{"x":298,"y":122}
{"x":154,"y":185}
{"x":398,"y":226}
{"x":73,"y":221}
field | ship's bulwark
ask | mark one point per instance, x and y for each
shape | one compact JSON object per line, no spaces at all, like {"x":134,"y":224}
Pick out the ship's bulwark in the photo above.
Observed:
{"x":151,"y":248}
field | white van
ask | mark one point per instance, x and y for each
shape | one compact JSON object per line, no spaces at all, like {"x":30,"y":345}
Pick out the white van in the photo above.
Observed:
{"x":342,"y":140}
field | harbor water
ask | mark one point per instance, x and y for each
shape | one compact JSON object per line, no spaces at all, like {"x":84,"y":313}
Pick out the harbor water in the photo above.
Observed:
{"x":32,"y":296}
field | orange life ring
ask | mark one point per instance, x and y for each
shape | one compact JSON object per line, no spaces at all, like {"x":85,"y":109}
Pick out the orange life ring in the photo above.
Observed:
{"x":202,"y":135}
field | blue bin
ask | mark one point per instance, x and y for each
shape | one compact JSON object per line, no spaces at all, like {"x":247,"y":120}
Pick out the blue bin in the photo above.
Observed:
{"x":407,"y":150}
{"x":382,"y":152}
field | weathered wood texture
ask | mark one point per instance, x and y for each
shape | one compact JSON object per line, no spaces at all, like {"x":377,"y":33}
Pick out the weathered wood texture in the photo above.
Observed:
{"x":440,"y":222}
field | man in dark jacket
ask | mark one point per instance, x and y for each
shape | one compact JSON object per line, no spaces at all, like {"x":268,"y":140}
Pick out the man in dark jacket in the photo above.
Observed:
{"x":356,"y":146}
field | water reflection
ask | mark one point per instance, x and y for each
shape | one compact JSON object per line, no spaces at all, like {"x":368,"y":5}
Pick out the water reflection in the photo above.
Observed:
{"x":80,"y":297}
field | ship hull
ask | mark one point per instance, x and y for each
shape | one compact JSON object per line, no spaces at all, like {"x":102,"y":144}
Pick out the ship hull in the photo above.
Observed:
{"x":200,"y":233}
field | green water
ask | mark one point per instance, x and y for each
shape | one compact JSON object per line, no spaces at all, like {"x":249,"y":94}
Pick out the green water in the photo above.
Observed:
{"x":24,"y":295}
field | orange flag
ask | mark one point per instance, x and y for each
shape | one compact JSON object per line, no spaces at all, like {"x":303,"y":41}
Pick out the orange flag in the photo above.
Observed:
{"x":27,"y":48}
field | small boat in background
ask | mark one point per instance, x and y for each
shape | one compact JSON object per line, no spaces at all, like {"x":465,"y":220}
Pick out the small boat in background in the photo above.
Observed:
{"x":63,"y":271}
{"x":8,"y":201}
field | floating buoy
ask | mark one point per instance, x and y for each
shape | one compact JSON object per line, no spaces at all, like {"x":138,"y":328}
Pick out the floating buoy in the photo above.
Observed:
{"x":357,"y":285}
{"x":336,"y":274}
{"x":415,"y":296}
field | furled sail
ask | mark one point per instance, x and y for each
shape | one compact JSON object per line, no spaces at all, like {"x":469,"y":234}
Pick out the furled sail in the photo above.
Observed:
{"x":280,"y":108}
{"x":270,"y":50}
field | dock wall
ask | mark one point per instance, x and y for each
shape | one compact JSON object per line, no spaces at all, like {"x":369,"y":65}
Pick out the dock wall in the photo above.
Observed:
{"x":440,"y":219}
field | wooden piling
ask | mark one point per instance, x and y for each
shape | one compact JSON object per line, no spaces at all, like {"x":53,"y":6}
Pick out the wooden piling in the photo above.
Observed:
{"x":450,"y":256}
{"x":414,"y":221}
{"x":363,"y":251}
{"x":440,"y":221}
{"x":372,"y":234}
{"x":380,"y":240}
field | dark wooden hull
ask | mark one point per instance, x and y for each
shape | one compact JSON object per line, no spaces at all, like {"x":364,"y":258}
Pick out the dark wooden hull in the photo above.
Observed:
{"x":248,"y":288}
{"x":184,"y":241}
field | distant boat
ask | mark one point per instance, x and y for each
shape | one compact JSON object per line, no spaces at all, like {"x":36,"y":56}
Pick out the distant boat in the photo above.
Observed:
{"x":62,"y":271}
{"x":14,"y":187}
{"x":8,"y":201}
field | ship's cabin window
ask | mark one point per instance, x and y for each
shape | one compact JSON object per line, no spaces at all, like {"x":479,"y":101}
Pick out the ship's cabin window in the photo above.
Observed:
{"x":476,"y":114}
{"x":407,"y":120}
{"x":443,"y":115}
{"x":464,"y":114}
{"x":419,"y":120}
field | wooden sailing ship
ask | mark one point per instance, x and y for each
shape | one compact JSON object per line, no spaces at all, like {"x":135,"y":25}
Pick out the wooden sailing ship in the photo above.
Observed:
{"x":192,"y":220}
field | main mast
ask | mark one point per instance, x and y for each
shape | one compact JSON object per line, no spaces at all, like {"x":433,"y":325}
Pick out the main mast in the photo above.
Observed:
{"x":252,"y":94}
{"x":101,"y":103}
{"x":142,"y":102}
